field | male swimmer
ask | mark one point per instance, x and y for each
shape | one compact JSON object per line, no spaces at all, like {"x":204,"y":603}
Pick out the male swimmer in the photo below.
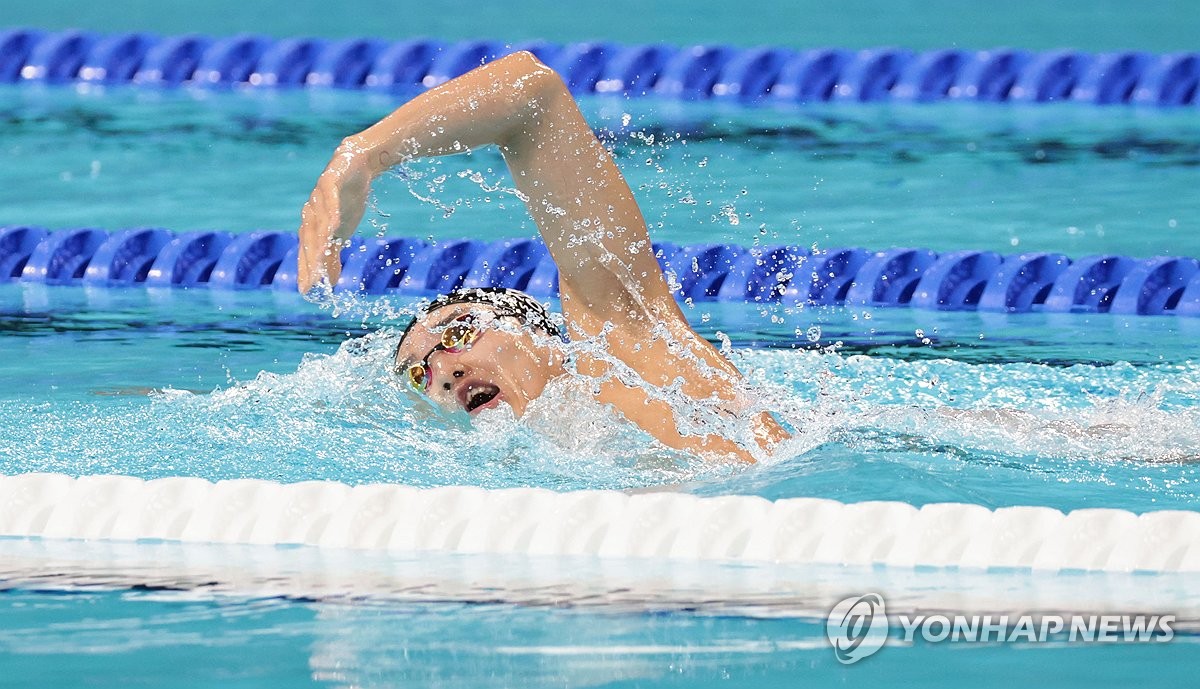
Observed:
{"x":475,"y":349}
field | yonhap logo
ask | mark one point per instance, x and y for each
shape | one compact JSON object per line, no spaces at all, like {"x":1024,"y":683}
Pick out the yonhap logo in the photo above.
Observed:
{"x":857,"y":627}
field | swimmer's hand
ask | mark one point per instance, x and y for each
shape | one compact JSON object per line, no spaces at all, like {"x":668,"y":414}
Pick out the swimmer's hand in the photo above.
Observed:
{"x":331,"y":214}
{"x":493,"y":104}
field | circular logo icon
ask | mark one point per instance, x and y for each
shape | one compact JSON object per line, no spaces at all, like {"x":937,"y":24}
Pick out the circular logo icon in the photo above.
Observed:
{"x":857,"y":627}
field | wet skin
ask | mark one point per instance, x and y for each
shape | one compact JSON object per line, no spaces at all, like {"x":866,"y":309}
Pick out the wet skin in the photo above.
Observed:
{"x":503,"y":365}
{"x":612,"y":289}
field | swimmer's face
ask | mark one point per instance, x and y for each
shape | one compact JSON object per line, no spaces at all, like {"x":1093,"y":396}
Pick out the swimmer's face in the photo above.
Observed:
{"x":470,"y":358}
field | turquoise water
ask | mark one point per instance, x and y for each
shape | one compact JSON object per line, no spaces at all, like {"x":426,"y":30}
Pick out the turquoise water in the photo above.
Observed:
{"x":1102,"y":411}
{"x":329,"y":618}
{"x":263,"y":385}
{"x":1077,"y":180}
{"x":1162,"y":26}
{"x":142,"y":637}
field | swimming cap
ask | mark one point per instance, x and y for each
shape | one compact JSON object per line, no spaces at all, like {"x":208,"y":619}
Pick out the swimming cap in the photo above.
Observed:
{"x":506,"y":301}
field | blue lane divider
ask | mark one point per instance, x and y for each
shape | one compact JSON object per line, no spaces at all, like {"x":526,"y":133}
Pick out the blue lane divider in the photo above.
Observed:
{"x":692,"y":72}
{"x":707,"y":268}
{"x":809,"y":76}
{"x":957,"y":280}
{"x":115,"y":59}
{"x":57,"y":58}
{"x":1170,"y":80}
{"x":1050,"y":76}
{"x":63,"y":256}
{"x":696,"y":72}
{"x":441,"y":268}
{"x":126,"y":257}
{"x":889,"y":277}
{"x":17,"y":244}
{"x":1189,"y":299}
{"x":543,"y":281}
{"x":870,"y":75}
{"x":402,"y":65}
{"x":1111,"y":78}
{"x":581,"y":65}
{"x":989,"y":76}
{"x":378,"y":266}
{"x":1022,"y":282}
{"x":459,"y":58}
{"x":187,"y":260}
{"x":230,"y":60}
{"x":929,"y":76}
{"x":1154,"y":285}
{"x":506,"y":263}
{"x":287,"y":63}
{"x":251,"y":260}
{"x":750,"y":74}
{"x":765,"y":276}
{"x":344,"y":64}
{"x":171,"y":61}
{"x":15,"y":47}
{"x":633,"y":70}
{"x":1089,"y":284}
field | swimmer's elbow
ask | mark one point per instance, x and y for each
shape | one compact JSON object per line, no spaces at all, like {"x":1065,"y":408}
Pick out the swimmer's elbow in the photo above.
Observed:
{"x":533,"y":71}
{"x":542,"y":90}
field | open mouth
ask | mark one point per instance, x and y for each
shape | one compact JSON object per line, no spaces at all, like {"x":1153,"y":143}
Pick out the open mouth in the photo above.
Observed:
{"x":478,"y":396}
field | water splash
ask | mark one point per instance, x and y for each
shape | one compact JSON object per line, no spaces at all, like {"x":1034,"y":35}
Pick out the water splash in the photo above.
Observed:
{"x":863,"y":428}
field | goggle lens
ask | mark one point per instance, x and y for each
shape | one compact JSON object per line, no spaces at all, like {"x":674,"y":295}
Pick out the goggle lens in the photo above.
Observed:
{"x":457,"y":337}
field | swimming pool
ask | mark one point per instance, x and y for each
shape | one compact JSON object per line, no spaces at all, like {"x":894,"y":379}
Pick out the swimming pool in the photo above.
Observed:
{"x":323,"y":408}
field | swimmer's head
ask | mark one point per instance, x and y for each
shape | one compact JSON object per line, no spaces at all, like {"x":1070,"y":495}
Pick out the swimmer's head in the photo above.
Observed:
{"x":477,"y":348}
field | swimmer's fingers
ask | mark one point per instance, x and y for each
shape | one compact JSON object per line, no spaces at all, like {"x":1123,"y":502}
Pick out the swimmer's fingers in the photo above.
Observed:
{"x":315,"y":233}
{"x":328,"y":219}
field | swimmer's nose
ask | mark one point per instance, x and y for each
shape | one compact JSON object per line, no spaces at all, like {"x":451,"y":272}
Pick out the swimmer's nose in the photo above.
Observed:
{"x":445,"y":370}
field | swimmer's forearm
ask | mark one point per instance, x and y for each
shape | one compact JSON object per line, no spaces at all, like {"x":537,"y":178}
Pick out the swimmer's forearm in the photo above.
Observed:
{"x":489,"y":105}
{"x":583,"y":207}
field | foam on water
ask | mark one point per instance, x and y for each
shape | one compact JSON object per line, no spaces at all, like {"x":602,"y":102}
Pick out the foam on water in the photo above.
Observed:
{"x":1005,"y":433}
{"x":1118,"y":412}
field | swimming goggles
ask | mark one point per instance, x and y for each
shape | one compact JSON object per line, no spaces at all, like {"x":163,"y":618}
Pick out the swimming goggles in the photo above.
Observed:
{"x":457,"y":336}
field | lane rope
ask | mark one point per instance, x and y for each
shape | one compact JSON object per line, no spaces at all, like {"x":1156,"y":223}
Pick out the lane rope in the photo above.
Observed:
{"x":956,"y":280}
{"x":536,"y":521}
{"x":717,"y":72}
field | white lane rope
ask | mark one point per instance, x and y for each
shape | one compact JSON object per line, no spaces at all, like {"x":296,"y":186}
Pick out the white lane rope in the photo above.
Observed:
{"x":602,"y":523}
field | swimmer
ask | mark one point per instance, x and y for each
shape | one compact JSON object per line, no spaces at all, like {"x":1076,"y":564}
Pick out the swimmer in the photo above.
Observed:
{"x":475,"y":349}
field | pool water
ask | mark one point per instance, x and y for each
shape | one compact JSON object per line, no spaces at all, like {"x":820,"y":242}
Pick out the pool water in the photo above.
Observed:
{"x":1168,"y":25}
{"x":1066,"y":178}
{"x":258,"y":384}
{"x":1096,"y":410}
{"x":145,"y":637}
{"x":163,"y":614}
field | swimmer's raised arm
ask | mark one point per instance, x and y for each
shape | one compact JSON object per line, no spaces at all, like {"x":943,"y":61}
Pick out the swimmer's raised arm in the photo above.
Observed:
{"x":584,"y":209}
{"x":609,"y":280}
